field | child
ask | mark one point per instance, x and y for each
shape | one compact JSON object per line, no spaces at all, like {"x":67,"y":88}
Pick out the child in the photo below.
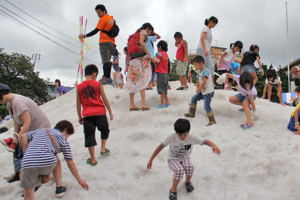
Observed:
{"x":294,"y":121}
{"x":119,"y":79}
{"x":61,"y":90}
{"x":204,"y":90}
{"x":247,"y":64}
{"x":182,"y":60}
{"x":127,"y":59}
{"x":91,"y":97}
{"x":246,"y":97}
{"x":296,"y":100}
{"x":273,"y":81}
{"x":162,"y":72}
{"x":181,"y":145}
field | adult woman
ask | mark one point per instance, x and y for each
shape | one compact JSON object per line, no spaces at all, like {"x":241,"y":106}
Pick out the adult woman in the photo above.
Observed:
{"x":27,"y":116}
{"x":41,"y":147}
{"x":206,"y":39}
{"x":139,"y":69}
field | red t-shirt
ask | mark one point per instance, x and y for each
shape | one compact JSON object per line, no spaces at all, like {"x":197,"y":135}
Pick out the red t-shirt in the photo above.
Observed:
{"x":180,"y":52}
{"x":89,"y":94}
{"x":162,"y":66}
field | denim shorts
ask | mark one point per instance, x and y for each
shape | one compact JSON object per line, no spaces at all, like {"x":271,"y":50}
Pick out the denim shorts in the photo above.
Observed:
{"x":242,"y":98}
{"x":248,"y":68}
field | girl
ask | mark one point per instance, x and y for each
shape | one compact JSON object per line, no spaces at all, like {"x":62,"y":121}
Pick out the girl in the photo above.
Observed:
{"x":294,"y":121}
{"x":206,"y":39}
{"x":273,"y":81}
{"x":227,"y":58}
{"x":246,"y":97}
{"x":61,"y":90}
{"x":139,"y":69}
{"x":247,"y":64}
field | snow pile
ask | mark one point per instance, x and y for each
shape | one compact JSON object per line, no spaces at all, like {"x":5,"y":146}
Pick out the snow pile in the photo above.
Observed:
{"x":258,"y":164}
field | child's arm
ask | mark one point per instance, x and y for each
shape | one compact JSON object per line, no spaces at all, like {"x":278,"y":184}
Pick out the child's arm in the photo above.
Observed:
{"x":78,"y":105}
{"x":297,"y":126}
{"x":260,"y":65}
{"x":198,"y":88}
{"x":157,"y":36}
{"x":155,"y":153}
{"x":203,"y":44}
{"x":214,"y":147}
{"x":221,"y":59}
{"x":203,"y":84}
{"x":228,"y":75}
{"x":265,"y":91}
{"x":185,"y":47}
{"x":106,"y":102}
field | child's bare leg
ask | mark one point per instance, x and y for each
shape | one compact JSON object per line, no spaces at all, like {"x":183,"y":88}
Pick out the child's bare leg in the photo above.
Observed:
{"x":269,"y":92}
{"x":29,"y":194}
{"x":255,"y":78}
{"x":175,"y":185}
{"x":184,"y":82}
{"x":188,"y":179}
{"x":161,"y":99}
{"x":103,"y":145}
{"x":92,"y":154}
{"x":247,"y":112}
{"x":234,"y":100}
{"x":167,"y":99}
{"x":131,"y":99}
{"x":143,"y":97}
{"x":279,"y":94}
{"x":57,"y":173}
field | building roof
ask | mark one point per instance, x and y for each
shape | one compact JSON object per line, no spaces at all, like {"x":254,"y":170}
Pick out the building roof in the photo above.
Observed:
{"x":292,"y":64}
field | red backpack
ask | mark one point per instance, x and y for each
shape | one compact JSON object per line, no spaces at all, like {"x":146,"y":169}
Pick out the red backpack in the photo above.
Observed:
{"x":135,"y":50}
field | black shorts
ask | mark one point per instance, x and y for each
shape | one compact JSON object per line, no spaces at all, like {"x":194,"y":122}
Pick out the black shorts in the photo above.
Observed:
{"x":89,"y":127}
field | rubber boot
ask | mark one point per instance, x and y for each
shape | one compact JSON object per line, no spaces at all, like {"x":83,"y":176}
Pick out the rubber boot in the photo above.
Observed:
{"x":211,"y":118}
{"x":192,"y":111}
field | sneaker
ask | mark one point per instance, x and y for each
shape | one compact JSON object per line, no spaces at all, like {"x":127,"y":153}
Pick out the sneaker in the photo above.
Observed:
{"x":189,"y":187}
{"x":60,"y":191}
{"x":15,"y":178}
{"x":166,"y":105}
{"x":180,"y":88}
{"x":9,"y":144}
{"x":173,"y":195}
{"x":149,"y":88}
{"x":160,"y":107}
{"x":6,"y":141}
{"x":106,"y":81}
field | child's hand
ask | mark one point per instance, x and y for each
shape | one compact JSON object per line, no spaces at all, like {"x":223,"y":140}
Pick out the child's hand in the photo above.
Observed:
{"x":149,"y":165}
{"x":297,"y":127}
{"x":80,"y":120}
{"x":111,"y":115}
{"x":83,"y":184}
{"x":216,"y":149}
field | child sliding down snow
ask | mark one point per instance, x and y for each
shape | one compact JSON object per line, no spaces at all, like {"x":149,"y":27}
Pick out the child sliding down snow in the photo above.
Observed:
{"x":204,"y":90}
{"x":181,"y":145}
{"x":246,"y":97}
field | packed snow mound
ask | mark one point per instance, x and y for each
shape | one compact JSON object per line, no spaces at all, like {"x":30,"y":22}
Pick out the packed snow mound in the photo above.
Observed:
{"x":262,"y":163}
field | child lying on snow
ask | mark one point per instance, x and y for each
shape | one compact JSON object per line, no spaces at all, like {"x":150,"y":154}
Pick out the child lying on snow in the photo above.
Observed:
{"x":181,"y":145}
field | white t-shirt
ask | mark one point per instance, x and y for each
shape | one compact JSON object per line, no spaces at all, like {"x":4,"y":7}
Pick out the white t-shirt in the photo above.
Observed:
{"x":277,"y":81}
{"x":230,"y":56}
{"x":209,"y":83}
{"x":181,"y":149}
{"x":208,"y":38}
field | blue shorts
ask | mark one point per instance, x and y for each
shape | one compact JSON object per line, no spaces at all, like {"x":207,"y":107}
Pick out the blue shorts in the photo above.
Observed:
{"x":291,"y":125}
{"x":242,"y":98}
{"x":248,"y":68}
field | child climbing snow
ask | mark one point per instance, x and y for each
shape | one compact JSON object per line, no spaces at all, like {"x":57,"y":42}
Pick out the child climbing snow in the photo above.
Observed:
{"x":272,"y":81}
{"x":204,"y":90}
{"x":181,"y":145}
{"x":246,"y":96}
{"x":93,"y":101}
{"x":294,"y":120}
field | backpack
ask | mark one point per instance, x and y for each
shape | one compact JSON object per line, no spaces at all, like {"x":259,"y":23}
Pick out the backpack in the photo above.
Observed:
{"x":135,"y":50}
{"x":113,"y":32}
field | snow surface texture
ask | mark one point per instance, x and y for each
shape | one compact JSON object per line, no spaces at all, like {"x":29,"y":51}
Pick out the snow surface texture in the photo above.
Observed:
{"x":257,"y":164}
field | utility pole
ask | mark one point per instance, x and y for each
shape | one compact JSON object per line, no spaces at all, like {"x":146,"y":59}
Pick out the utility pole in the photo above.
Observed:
{"x":35,"y":58}
{"x":287,"y":45}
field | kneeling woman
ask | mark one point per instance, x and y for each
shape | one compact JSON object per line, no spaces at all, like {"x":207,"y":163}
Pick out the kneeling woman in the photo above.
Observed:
{"x":41,"y":147}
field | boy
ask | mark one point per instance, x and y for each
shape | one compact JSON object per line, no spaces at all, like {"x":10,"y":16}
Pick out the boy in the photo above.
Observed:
{"x":296,"y":100}
{"x":91,"y":97}
{"x":181,"y":145}
{"x":273,"y":81}
{"x":182,"y":60}
{"x":204,"y":90}
{"x":162,"y":72}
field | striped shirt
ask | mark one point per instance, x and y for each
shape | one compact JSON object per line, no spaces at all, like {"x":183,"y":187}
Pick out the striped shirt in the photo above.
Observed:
{"x":41,"y":151}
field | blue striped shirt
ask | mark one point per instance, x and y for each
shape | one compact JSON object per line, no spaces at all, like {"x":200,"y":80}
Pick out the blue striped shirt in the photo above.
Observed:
{"x":41,"y":150}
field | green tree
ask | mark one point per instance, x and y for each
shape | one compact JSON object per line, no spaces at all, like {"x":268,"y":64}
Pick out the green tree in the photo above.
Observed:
{"x":17,"y":72}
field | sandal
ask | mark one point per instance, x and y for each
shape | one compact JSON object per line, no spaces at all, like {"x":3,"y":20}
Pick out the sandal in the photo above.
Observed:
{"x":106,"y":153}
{"x":246,"y":126}
{"x":145,"y":108}
{"x":134,"y":109}
{"x":173,"y":195}
{"x":89,"y":162}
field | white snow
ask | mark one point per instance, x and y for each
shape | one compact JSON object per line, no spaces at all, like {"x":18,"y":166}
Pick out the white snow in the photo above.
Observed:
{"x":258,"y":164}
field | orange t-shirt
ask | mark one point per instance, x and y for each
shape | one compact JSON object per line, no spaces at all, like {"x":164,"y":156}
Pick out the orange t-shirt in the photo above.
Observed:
{"x":105,"y":23}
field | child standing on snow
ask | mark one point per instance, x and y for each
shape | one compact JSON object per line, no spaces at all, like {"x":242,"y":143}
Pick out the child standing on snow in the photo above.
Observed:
{"x":181,"y":145}
{"x":162,"y":72}
{"x":246,"y":96}
{"x":92,"y":99}
{"x":204,"y":90}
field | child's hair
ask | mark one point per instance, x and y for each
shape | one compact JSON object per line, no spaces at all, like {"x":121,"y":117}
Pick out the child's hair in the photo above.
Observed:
{"x":125,"y":49}
{"x":90,"y":69}
{"x":238,"y":44}
{"x":163,"y":45}
{"x":246,"y":78}
{"x":271,"y":74}
{"x":211,"y":19}
{"x":145,"y":26}
{"x":182,"y":126}
{"x":297,"y":90}
{"x":178,"y":35}
{"x":101,"y":7}
{"x":65,"y":125}
{"x":198,"y":59}
{"x":4,"y":90}
{"x":57,"y":81}
{"x":253,"y":47}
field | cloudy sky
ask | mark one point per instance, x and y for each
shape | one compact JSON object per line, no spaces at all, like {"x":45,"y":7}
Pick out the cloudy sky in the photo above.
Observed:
{"x":257,"y":21}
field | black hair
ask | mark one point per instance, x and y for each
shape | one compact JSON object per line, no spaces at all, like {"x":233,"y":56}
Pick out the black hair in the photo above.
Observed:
{"x":246,"y":78}
{"x":126,"y":49}
{"x":101,"y":7}
{"x":253,"y":47}
{"x":198,"y":59}
{"x":238,"y":44}
{"x":57,"y":81}
{"x":178,"y":35}
{"x":182,"y":126}
{"x":297,"y":89}
{"x":116,"y":53}
{"x":211,"y":19}
{"x":65,"y":125}
{"x":145,"y":26}
{"x":90,"y":69}
{"x":272,"y":74}
{"x":2,"y":93}
{"x":163,"y":45}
